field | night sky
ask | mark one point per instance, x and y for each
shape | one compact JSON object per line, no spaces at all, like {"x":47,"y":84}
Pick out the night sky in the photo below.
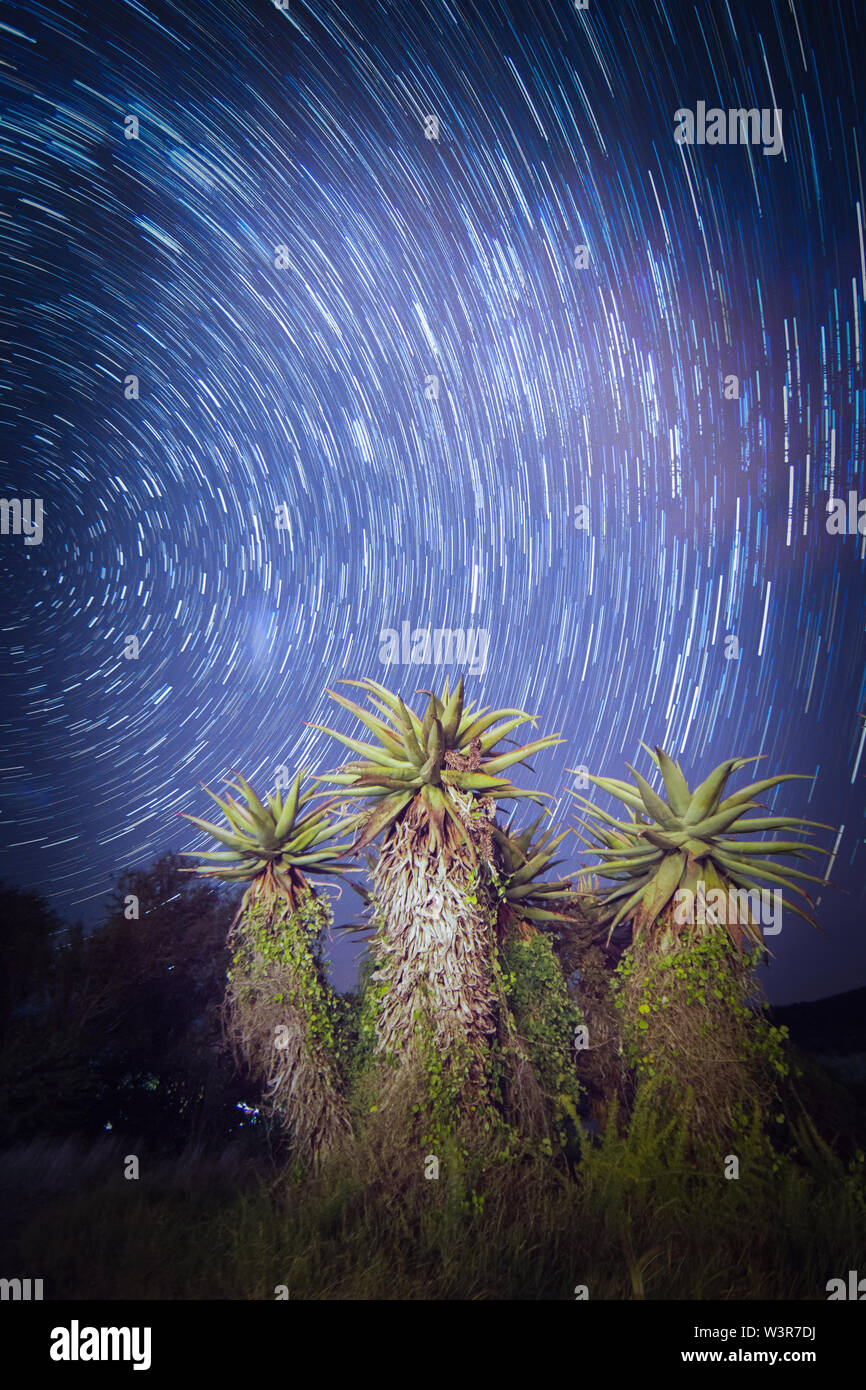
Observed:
{"x":285,"y":260}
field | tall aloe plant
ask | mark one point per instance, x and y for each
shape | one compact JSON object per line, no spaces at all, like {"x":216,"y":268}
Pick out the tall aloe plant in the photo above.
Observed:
{"x":280,"y":1010}
{"x":431,"y":783}
{"x":687,"y":883}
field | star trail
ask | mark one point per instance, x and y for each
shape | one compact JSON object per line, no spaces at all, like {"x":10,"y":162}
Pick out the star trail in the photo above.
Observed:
{"x":327,"y":318}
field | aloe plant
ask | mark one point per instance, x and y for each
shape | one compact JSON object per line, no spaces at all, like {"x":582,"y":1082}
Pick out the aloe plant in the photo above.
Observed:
{"x":684,"y":990}
{"x":431,"y":782}
{"x":280,"y":1010}
{"x":527,"y":899}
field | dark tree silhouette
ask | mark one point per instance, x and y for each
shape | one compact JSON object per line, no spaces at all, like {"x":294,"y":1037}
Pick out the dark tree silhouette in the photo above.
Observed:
{"x":120,"y":1027}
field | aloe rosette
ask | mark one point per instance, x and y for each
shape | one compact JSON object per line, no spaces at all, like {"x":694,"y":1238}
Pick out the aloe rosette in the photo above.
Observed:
{"x":688,"y":839}
{"x":526,"y":897}
{"x":430,"y":759}
{"x":276,"y":845}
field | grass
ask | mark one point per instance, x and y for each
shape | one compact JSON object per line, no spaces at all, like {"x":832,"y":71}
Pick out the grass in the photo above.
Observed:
{"x":631,"y":1217}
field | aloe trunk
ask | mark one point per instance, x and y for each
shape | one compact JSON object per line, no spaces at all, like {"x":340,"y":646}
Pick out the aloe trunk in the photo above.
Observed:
{"x":435,"y":944}
{"x":693,"y":1029}
{"x":281,"y":1013}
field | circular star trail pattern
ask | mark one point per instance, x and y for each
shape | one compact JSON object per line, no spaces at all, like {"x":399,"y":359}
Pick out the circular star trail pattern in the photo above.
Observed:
{"x":342,"y":259}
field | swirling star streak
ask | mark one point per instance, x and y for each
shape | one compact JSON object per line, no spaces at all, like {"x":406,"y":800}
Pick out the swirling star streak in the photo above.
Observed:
{"x":331,"y":304}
